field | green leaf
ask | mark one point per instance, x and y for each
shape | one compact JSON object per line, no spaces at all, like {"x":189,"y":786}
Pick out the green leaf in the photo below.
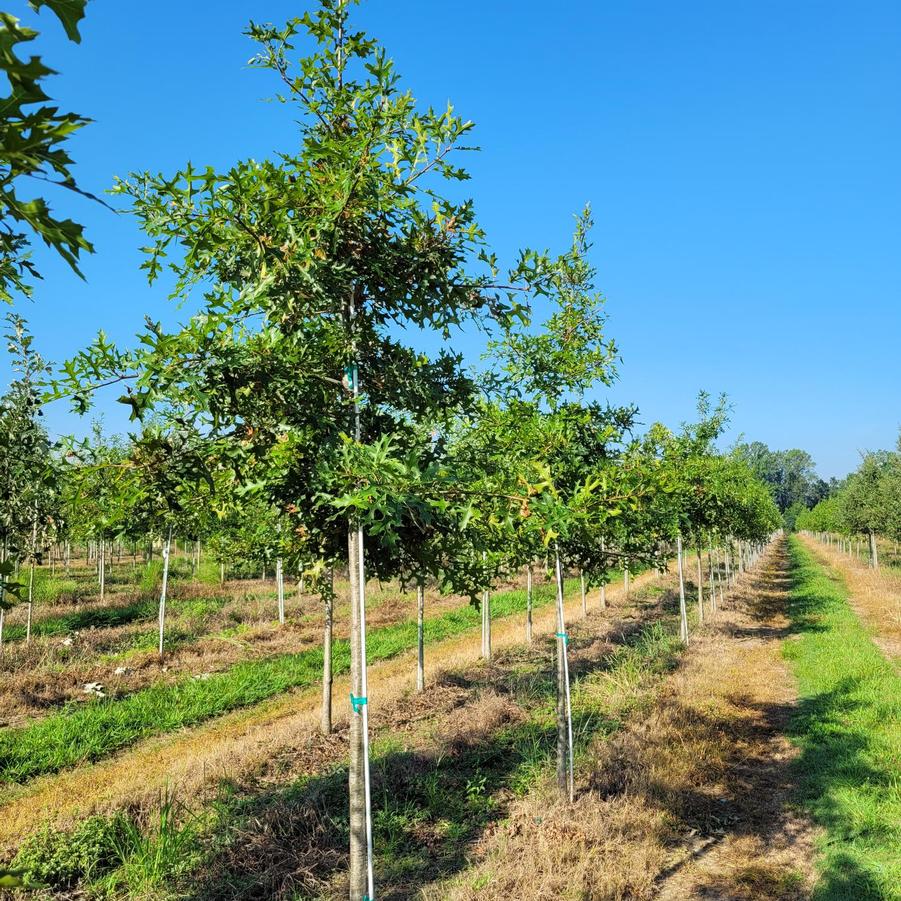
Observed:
{"x":69,"y":12}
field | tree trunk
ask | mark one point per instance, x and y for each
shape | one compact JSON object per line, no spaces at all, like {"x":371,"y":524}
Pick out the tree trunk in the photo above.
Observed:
{"x":529,"y":603}
{"x":700,"y":587}
{"x":34,"y":551}
{"x":222,"y":572}
{"x":683,"y":611}
{"x":4,"y":550}
{"x":582,"y":588}
{"x":626,"y":577}
{"x":166,"y":549}
{"x":603,"y":576}
{"x":30,"y":604}
{"x":358,"y":774}
{"x":874,"y":553}
{"x":486,"y":624}
{"x":420,"y":637}
{"x":280,"y":589}
{"x":101,"y":559}
{"x":564,"y":707}
{"x":328,"y":601}
{"x":712,"y":591}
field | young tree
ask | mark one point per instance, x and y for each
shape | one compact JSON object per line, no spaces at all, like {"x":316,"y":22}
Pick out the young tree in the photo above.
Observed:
{"x":308,"y":265}
{"x":27,"y":481}
{"x":870,"y":502}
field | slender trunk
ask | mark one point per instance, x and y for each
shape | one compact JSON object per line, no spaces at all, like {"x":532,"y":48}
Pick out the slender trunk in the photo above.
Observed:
{"x":874,"y":553}
{"x":328,"y":601}
{"x":101,"y":557}
{"x":34,"y":551}
{"x":700,"y":587}
{"x":362,"y":883}
{"x":222,"y":572}
{"x":626,"y":577}
{"x":420,"y":637}
{"x":486,"y":624}
{"x":683,"y":611}
{"x":280,"y":588}
{"x":582,"y":588}
{"x":4,"y":551}
{"x":529,"y":603}
{"x":68,"y":556}
{"x":486,"y":619}
{"x":358,"y":776}
{"x":30,"y":604}
{"x":728,"y":560}
{"x":564,"y":706}
{"x":166,"y":549}
{"x":603,"y":576}
{"x":712,"y":591}
{"x":721,"y":580}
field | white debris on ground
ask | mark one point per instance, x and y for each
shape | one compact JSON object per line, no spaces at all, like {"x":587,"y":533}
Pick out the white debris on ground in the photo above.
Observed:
{"x":94,"y":688}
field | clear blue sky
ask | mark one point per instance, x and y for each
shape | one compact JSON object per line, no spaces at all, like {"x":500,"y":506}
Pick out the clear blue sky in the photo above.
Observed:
{"x":742,"y":160}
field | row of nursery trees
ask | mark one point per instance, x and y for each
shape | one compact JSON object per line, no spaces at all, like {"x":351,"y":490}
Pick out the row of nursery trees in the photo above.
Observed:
{"x":290,"y":406}
{"x":867,"y":506}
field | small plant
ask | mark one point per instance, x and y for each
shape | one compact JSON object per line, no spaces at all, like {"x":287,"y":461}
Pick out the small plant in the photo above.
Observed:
{"x":475,"y":788}
{"x":61,"y":859}
{"x":151,"y":578}
{"x":154,"y":857}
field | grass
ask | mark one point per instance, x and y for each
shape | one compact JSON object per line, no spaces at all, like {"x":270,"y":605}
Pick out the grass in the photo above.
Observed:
{"x":430,"y":804}
{"x":848,"y":727}
{"x":113,"y":855}
{"x":93,"y":618}
{"x":92,"y":730}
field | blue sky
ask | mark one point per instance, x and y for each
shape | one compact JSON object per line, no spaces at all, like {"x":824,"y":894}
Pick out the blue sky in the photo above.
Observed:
{"x":743,"y":161}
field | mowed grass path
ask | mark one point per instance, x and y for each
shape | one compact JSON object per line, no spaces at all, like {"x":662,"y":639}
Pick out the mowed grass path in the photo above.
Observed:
{"x":848,"y":727}
{"x":95,"y":729}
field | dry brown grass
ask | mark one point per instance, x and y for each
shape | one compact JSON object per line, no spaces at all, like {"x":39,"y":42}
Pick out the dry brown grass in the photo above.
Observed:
{"x":875,"y":594}
{"x":690,"y":801}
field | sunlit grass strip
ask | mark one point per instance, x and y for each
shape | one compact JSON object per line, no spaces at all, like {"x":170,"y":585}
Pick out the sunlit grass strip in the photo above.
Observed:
{"x":848,"y":727}
{"x":93,"y":730}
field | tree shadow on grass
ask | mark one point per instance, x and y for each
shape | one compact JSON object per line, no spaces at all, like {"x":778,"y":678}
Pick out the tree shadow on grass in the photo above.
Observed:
{"x":429,"y":806}
{"x":428,"y":809}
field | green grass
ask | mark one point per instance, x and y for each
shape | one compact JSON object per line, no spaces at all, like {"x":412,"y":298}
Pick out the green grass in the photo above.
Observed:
{"x":848,"y":728}
{"x":91,"y":730}
{"x":93,"y":618}
{"x":136,"y":611}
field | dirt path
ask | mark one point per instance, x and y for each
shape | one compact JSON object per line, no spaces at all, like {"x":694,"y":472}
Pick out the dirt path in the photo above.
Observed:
{"x":875,"y":595}
{"x":732,"y":782}
{"x":692,"y":799}
{"x":236,"y":744}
